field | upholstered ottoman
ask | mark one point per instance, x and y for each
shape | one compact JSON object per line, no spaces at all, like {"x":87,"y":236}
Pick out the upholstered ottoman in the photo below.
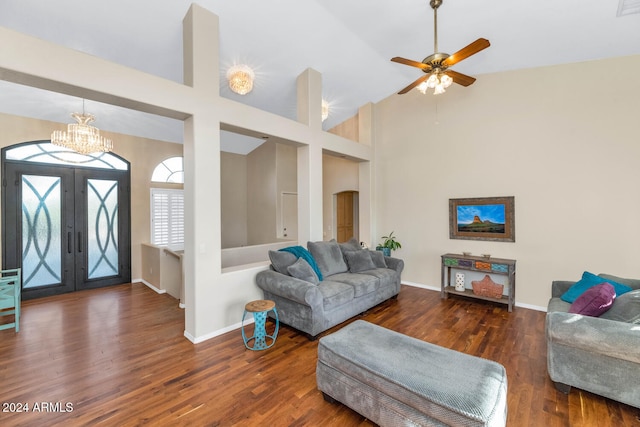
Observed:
{"x":393,"y":379}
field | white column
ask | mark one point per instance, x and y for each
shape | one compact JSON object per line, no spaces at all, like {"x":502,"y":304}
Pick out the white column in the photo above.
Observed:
{"x":366,"y":176}
{"x":202,"y":168}
{"x":309,"y":85}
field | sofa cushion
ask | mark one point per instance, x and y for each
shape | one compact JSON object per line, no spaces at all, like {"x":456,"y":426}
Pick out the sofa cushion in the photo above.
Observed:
{"x":594,"y":301}
{"x":626,"y":308}
{"x":351,"y":245}
{"x":362,"y":283}
{"x":328,"y":256}
{"x":387,"y":276}
{"x":335,"y":294}
{"x":303,"y":271}
{"x":378,"y":259}
{"x":359,"y":261}
{"x":281,"y":260}
{"x":589,"y":280}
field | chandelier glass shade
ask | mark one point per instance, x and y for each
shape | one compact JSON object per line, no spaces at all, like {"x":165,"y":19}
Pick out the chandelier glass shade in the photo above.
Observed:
{"x":240,"y":79}
{"x":438,"y":81}
{"x":81,"y":137}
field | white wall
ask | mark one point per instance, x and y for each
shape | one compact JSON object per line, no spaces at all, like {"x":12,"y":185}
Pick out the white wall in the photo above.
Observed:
{"x":233,"y":203}
{"x":563,"y":140}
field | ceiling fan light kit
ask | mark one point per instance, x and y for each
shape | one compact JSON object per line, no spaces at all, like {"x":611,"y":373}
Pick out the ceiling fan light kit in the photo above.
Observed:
{"x":436,"y":66}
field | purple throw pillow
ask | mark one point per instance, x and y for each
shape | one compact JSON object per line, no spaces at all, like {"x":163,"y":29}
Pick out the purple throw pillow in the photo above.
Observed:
{"x":594,"y":301}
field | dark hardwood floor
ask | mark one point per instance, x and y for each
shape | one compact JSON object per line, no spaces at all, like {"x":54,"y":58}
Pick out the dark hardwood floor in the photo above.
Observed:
{"x":117,"y":357}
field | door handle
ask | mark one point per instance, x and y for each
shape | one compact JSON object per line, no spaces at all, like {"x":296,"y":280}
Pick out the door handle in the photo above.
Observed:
{"x":80,"y":241}
{"x":69,"y":242}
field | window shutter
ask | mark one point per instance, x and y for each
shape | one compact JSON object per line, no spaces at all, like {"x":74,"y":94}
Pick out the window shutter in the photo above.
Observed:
{"x":167,"y":217}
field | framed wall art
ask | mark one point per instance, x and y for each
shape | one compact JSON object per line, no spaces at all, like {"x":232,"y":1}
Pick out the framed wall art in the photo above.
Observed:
{"x":482,"y":218}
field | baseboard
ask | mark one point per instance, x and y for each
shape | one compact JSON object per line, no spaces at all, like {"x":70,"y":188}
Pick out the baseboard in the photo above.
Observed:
{"x":202,"y":338}
{"x":149,"y":285}
{"x":434,"y":288}
{"x":420,"y":285}
{"x":531,"y":307}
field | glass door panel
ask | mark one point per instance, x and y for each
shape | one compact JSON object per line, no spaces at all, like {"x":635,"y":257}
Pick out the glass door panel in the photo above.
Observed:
{"x":37,"y":231}
{"x":102,"y":222}
{"x":41,"y":230}
{"x":102,"y":228}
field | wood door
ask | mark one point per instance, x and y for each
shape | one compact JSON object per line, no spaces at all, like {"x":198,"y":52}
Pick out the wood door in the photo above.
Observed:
{"x":344,"y":215}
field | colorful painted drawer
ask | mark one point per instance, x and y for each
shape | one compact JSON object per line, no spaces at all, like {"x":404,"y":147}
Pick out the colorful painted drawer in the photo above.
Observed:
{"x":500,"y":268}
{"x":480,"y":265}
{"x":451,"y":262}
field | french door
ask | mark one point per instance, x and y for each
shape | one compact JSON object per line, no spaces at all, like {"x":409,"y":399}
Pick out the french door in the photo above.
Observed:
{"x":68,"y":228}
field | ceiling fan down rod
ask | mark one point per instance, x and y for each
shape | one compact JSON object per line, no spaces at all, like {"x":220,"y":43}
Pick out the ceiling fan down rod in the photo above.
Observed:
{"x":435,"y":4}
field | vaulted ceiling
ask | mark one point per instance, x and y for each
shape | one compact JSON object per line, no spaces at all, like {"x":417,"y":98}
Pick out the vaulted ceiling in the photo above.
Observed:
{"x":349,"y":42}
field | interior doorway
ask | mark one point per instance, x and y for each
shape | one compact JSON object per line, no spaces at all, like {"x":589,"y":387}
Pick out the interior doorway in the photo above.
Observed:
{"x":65,"y":218}
{"x":289,"y":221}
{"x":347,"y":216}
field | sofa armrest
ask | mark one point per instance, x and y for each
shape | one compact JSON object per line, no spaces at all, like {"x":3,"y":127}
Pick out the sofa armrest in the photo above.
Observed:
{"x":394,"y":263}
{"x":290,"y":288}
{"x":619,"y":340}
{"x":559,"y":287}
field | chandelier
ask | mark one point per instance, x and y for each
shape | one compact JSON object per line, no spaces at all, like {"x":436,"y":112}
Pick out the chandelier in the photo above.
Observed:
{"x":438,"y":81}
{"x":81,"y":137}
{"x":240,"y":79}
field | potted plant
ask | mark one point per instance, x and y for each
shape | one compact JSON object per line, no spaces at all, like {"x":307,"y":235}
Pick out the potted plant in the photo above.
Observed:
{"x":389,"y":243}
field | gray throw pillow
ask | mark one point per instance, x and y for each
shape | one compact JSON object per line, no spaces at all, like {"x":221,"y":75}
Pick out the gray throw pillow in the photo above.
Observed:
{"x":633,"y":283}
{"x":281,"y":260}
{"x":378,"y":259}
{"x":625,"y":308}
{"x":303,"y":271}
{"x":351,"y":245}
{"x":359,"y":261}
{"x":328,"y":256}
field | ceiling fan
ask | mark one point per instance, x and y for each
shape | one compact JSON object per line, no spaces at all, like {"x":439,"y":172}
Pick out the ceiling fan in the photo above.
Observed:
{"x":436,"y":66}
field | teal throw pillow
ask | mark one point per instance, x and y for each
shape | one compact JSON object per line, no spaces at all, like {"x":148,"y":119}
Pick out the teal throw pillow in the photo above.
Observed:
{"x":589,"y":280}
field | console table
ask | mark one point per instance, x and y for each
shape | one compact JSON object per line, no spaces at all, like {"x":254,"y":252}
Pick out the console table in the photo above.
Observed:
{"x":504,"y":267}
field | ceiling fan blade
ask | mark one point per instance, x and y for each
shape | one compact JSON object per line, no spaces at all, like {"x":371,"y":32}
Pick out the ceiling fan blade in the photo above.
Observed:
{"x":466,"y":52}
{"x":461,"y":79}
{"x":414,"y":84}
{"x":421,"y":65}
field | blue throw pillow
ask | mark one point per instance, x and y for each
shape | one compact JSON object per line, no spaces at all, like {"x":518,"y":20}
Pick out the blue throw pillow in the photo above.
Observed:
{"x":589,"y":280}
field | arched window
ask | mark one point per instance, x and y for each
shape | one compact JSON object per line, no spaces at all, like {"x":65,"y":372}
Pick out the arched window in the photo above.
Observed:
{"x":45,"y":152}
{"x":170,"y":170}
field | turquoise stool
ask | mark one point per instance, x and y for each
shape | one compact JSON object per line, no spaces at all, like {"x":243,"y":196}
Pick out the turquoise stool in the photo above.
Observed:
{"x":260,"y":309}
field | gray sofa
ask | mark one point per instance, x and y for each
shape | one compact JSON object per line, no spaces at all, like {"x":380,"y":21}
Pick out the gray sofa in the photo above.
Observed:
{"x":353,"y":280}
{"x":597,"y":354}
